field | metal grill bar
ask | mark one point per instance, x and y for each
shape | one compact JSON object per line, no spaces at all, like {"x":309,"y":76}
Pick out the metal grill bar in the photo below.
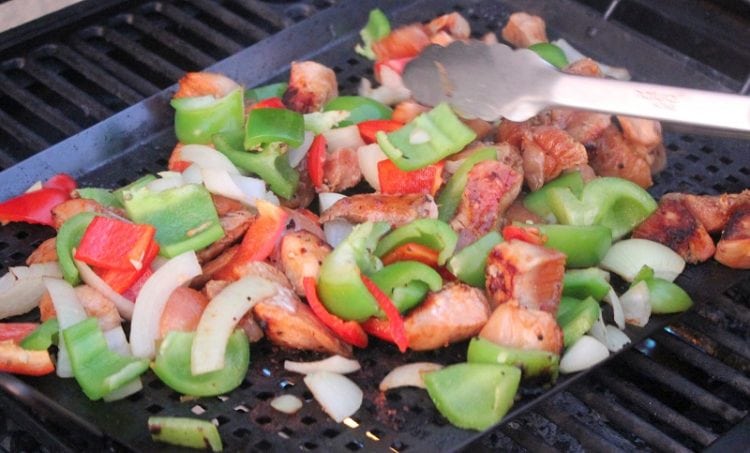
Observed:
{"x":199,"y":58}
{"x":139,"y":53}
{"x":231,"y":20}
{"x":717,"y":333}
{"x":263,"y":10}
{"x":215,"y":37}
{"x":589,"y":440}
{"x":522,"y":436}
{"x":24,"y":135}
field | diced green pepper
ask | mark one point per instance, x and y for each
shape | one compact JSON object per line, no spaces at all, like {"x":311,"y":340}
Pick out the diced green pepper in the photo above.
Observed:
{"x":43,"y":336}
{"x":340,"y":286}
{"x":583,"y":245}
{"x":172,"y":365}
{"x":473,"y":395}
{"x":185,"y":217}
{"x":273,"y":90}
{"x":468,"y":265}
{"x":197,"y":118}
{"x":377,"y":27}
{"x":450,"y":196}
{"x":582,"y":283}
{"x":270,"y":163}
{"x":538,"y":202}
{"x":360,"y":109}
{"x":427,"y":139}
{"x":269,"y":125}
{"x":407,"y":282}
{"x":98,"y":370}
{"x":550,"y":53}
{"x":431,"y":233}
{"x":576,"y":317}
{"x":666,"y":297}
{"x":185,"y":432}
{"x":531,"y":362}
{"x":137,"y":184}
{"x":104,"y":197}
{"x":68,"y":237}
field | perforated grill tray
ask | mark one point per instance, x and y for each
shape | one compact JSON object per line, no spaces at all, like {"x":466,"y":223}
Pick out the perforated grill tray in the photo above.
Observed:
{"x":139,"y":139}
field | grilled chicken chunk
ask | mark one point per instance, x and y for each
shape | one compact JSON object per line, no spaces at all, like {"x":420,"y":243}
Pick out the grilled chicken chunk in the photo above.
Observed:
{"x":225,"y":205}
{"x":490,"y":188}
{"x":524,"y":328}
{"x":585,"y":67}
{"x":640,"y":130}
{"x":374,"y":207}
{"x":547,"y":152}
{"x":612,"y":155}
{"x":712,"y":211}
{"x":455,"y":313}
{"x":67,"y":209}
{"x":235,"y":224}
{"x":305,"y":193}
{"x":733,"y":249}
{"x":583,"y":127}
{"x":45,"y":253}
{"x":530,"y":274}
{"x":94,"y":303}
{"x":523,"y":30}
{"x":311,"y":86}
{"x":341,"y":170}
{"x":300,"y":255}
{"x":673,"y":225}
{"x":453,"y":24}
{"x":205,"y":84}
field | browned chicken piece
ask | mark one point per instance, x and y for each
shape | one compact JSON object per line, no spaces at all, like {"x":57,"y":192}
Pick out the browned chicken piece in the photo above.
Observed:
{"x":733,"y":249}
{"x":301,"y":254}
{"x":406,"y":111}
{"x":673,"y":225}
{"x":490,"y":188}
{"x":247,"y":323}
{"x":712,"y":211}
{"x":523,"y":30}
{"x":67,"y":209}
{"x":453,"y":24}
{"x":513,"y":133}
{"x":225,"y":205}
{"x":525,"y":328}
{"x":289,"y":323}
{"x":375,"y":207}
{"x":584,"y":127}
{"x":94,"y":303}
{"x":341,"y":170}
{"x":311,"y":86}
{"x":547,"y":153}
{"x":235,"y":224}
{"x":528,"y":273}
{"x":266,"y":271}
{"x":612,"y":155}
{"x":212,"y":267}
{"x":640,"y":130}
{"x":480,"y":127}
{"x":205,"y":84}
{"x":406,"y":41}
{"x":455,"y":313}
{"x":510,"y":156}
{"x":45,"y":253}
{"x":585,"y":67}
{"x":305,"y":193}
{"x":517,"y":212}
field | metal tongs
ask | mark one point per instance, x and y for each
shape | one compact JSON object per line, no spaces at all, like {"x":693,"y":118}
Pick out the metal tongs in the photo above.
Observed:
{"x":490,"y":81}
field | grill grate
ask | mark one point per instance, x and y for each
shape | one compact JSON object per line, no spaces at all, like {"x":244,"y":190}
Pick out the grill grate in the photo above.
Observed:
{"x":678,"y":389}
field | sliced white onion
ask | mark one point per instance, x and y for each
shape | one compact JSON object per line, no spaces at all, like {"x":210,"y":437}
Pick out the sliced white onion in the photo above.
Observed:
{"x":333,"y":364}
{"x":7,"y":281}
{"x":117,"y":341}
{"x":144,"y":328}
{"x":69,"y":311}
{"x":318,"y":122}
{"x":22,"y":287}
{"x":327,"y":199}
{"x":368,"y":157}
{"x":585,"y":353}
{"x":390,"y":92}
{"x":451,"y":166}
{"x":192,"y":175}
{"x":168,"y":180}
{"x":336,"y":231}
{"x":252,"y":188}
{"x":338,"y":395}
{"x":635,"y":304}
{"x":574,"y":55}
{"x":612,"y":299}
{"x":295,"y":155}
{"x":616,"y":338}
{"x":343,"y":137}
{"x":51,"y":269}
{"x":409,"y":375}
{"x":221,"y":316}
{"x":288,"y":404}
{"x":599,"y":329}
{"x":207,"y":157}
{"x":244,"y":189}
{"x":63,"y":367}
{"x":626,"y":258}
{"x":123,"y":305}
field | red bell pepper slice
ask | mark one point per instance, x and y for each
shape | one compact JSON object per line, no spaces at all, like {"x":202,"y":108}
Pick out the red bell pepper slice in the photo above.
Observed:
{"x":530,"y":235}
{"x":316,"y":157}
{"x":368,"y":129}
{"x":270,"y":103}
{"x":396,"y":322}
{"x":123,"y":281}
{"x":113,"y":244}
{"x":348,"y":331}
{"x":14,"y":359}
{"x":379,"y":328}
{"x":33,"y":207}
{"x":61,"y":181}
{"x":175,"y":162}
{"x":16,"y":331}
{"x":394,"y":181}
{"x":411,"y":251}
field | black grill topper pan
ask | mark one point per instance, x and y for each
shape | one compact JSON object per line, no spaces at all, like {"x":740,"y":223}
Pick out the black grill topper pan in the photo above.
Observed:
{"x":139,"y":139}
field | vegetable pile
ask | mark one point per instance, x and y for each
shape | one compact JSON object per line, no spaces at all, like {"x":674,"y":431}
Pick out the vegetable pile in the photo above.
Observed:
{"x":503,"y":236}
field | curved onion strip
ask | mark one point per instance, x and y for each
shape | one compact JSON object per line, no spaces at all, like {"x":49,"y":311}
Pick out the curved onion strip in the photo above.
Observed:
{"x":192,"y":175}
{"x":635,"y":304}
{"x":585,"y":353}
{"x":244,"y":189}
{"x":616,"y":338}
{"x":51,"y":269}
{"x":144,"y":328}
{"x":327,"y":199}
{"x":118,"y":342}
{"x":220,"y":318}
{"x":368,"y":157}
{"x":22,"y":287}
{"x":252,"y":188}
{"x":69,"y":312}
{"x":626,"y":258}
{"x":288,"y":404}
{"x":207,"y":157}
{"x":409,"y":375}
{"x":168,"y":180}
{"x":124,"y":306}
{"x":336,"y":231}
{"x":343,"y":137}
{"x":337,"y":394}
{"x":295,"y":155}
{"x":333,"y":364}
{"x":612,"y":299}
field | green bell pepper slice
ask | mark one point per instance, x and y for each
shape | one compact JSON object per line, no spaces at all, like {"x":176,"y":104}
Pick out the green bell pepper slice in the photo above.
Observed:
{"x":431,"y":233}
{"x":407,"y":282}
{"x":185,"y":432}
{"x":664,"y":296}
{"x":360,"y":109}
{"x":450,"y":196}
{"x":104,"y":197}
{"x":531,"y":362}
{"x":270,"y":163}
{"x":473,"y":395}
{"x":137,"y":184}
{"x":185,"y":217}
{"x":261,"y":93}
{"x":377,"y":27}
{"x":98,"y":370}
{"x":198,"y":118}
{"x":550,"y":53}
{"x":445,"y":135}
{"x":68,"y":238}
{"x":583,"y":245}
{"x":576,"y":317}
{"x":468,"y":265}
{"x":44,"y":336}
{"x":269,"y":125}
{"x":582,"y":283}
{"x":340,"y":286}
{"x":538,"y":202}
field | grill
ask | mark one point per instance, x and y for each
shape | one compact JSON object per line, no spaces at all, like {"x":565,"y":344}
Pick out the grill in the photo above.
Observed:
{"x":683,"y":385}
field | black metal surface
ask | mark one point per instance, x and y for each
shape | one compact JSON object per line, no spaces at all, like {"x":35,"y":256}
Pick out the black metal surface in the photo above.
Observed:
{"x":645,"y":398}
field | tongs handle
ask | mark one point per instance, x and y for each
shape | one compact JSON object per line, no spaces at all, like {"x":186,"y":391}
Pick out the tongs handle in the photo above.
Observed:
{"x":678,"y":105}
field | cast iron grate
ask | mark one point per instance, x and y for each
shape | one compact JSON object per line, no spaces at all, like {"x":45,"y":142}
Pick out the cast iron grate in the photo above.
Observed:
{"x":609,"y":409}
